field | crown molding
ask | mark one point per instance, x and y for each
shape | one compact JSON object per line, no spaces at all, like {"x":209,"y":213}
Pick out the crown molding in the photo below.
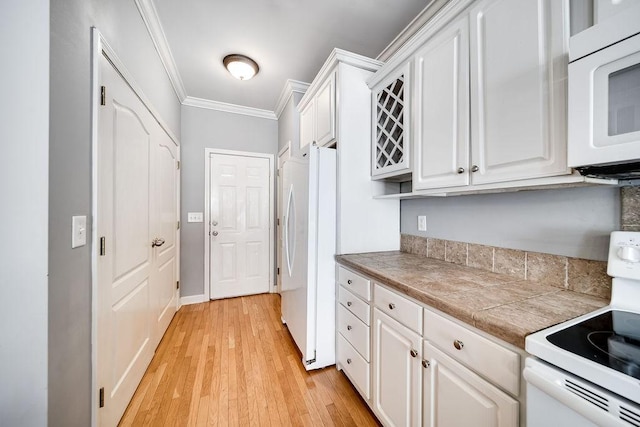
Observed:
{"x":151,"y":19}
{"x":290,"y":87}
{"x":208,"y":104}
{"x":339,"y":56}
{"x":418,"y":22}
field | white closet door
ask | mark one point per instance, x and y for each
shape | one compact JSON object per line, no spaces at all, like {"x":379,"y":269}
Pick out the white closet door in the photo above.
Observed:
{"x":125,"y":328}
{"x":164,"y":216}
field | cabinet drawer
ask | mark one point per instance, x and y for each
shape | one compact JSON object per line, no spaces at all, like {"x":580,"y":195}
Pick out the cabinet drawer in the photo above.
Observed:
{"x":398,"y":307}
{"x":498,"y":364}
{"x":355,"y":283}
{"x":356,"y":368}
{"x":355,"y":305}
{"x":356,"y":332}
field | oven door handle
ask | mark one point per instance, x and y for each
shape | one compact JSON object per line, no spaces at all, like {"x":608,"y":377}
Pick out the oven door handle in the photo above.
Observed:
{"x":551,"y":381}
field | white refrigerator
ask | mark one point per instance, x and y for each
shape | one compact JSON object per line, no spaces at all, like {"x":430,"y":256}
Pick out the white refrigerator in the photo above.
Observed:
{"x":309,"y":235}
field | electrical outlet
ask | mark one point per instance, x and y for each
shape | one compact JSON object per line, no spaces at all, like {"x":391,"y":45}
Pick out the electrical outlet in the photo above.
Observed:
{"x":422,"y":223}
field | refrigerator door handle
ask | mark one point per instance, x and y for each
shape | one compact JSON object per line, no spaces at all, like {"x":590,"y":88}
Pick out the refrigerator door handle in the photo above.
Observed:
{"x":287,"y":226}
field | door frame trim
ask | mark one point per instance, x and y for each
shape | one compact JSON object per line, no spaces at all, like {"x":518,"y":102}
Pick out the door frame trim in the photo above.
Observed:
{"x":207,"y":196}
{"x":286,"y":149}
{"x":100,"y":47}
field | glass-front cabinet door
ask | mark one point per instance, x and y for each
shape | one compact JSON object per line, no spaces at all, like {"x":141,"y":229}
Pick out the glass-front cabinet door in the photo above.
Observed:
{"x":390,"y":133}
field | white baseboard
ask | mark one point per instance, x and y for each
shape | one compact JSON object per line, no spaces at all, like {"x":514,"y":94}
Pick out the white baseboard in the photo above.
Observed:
{"x":193,"y":299}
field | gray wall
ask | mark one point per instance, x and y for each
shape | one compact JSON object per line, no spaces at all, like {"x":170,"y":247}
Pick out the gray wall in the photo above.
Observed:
{"x":289,"y":125}
{"x":574,"y":222}
{"x":203,"y":128}
{"x":70,"y":180}
{"x":24,"y":112}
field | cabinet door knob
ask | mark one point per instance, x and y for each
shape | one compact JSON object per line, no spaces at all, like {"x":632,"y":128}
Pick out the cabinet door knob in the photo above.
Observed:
{"x":413,"y":353}
{"x":349,"y":282}
{"x":458,"y":344}
{"x":349,"y":303}
{"x":425,"y":364}
{"x":391,"y":306}
{"x":460,"y":170}
{"x":348,"y":361}
{"x":475,"y":168}
{"x":349,"y":327}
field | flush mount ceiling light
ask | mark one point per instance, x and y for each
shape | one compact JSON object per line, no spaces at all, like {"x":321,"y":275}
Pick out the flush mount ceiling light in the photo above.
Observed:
{"x":241,"y":67}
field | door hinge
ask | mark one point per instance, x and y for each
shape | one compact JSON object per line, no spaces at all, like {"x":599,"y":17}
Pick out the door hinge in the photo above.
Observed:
{"x":103,"y":246}
{"x":101,"y":398}
{"x":178,"y":226}
{"x":178,"y":284}
{"x":178,"y":164}
{"x":278,"y":172}
{"x":278,"y":271}
{"x":278,"y":221}
{"x":103,"y":95}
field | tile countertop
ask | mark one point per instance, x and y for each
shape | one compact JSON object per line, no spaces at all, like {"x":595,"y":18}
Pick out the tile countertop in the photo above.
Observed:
{"x":505,"y":307}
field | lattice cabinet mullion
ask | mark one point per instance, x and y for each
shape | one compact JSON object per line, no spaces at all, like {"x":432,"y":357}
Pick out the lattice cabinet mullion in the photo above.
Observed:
{"x":389,"y":138}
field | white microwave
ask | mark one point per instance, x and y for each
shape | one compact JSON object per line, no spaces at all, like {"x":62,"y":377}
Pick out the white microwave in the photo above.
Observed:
{"x":604,"y":87}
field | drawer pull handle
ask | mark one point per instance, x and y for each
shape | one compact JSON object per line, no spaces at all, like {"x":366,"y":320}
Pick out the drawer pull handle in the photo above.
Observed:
{"x":349,"y":303}
{"x":458,"y":344}
{"x":349,"y":282}
{"x":348,"y":361}
{"x":349,"y":327}
{"x":425,"y":364}
{"x":391,"y":306}
{"x":413,"y":353}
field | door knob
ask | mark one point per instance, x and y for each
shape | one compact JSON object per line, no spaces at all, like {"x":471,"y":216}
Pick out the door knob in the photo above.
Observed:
{"x":349,"y":327}
{"x":458,"y":344}
{"x":215,"y":233}
{"x":349,"y":303}
{"x":214,"y":223}
{"x":425,"y":363}
{"x":157,"y":242}
{"x":475,"y":168}
{"x":460,"y":170}
{"x":391,"y":306}
{"x":413,"y":353}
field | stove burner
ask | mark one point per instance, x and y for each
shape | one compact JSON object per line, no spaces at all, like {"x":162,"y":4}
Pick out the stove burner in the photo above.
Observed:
{"x":610,"y":339}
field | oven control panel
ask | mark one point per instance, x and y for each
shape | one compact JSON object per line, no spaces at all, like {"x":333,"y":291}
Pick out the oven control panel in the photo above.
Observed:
{"x":624,"y":255}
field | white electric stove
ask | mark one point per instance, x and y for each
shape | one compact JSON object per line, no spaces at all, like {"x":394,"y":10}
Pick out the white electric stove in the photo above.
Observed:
{"x":586,"y":372}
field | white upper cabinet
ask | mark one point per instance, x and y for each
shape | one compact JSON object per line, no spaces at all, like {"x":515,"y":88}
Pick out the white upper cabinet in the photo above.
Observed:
{"x":391,"y":144}
{"x":491,"y":96}
{"x":518,"y":89}
{"x":318,"y":117}
{"x":442,"y":109}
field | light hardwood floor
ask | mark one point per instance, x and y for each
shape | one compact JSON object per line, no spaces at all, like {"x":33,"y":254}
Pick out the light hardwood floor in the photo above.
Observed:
{"x":232,"y":362}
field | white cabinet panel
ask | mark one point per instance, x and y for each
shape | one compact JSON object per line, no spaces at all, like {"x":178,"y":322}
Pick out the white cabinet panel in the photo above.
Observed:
{"x":325,"y":114}
{"x":396,"y":372}
{"x":518,"y":89}
{"x":442,"y":109}
{"x":307,"y":131}
{"x":455,"y":396}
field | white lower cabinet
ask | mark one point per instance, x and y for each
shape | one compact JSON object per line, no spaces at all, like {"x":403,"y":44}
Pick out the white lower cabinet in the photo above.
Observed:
{"x":455,"y":396}
{"x":396,"y":372}
{"x":418,"y":367}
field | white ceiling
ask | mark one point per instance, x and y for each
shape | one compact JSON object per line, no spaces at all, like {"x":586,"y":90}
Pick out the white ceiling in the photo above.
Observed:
{"x":289,"y":39}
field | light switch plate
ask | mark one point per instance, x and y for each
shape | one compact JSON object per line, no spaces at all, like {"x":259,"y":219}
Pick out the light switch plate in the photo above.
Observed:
{"x":194,"y":217}
{"x":422,"y":223}
{"x":78,"y":231}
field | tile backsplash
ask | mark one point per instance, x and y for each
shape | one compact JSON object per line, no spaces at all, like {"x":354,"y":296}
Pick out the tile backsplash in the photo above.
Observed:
{"x":630,"y":208}
{"x":579,"y":275}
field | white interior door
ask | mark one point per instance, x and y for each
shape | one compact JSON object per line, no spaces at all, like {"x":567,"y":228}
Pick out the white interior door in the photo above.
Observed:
{"x":282,"y":157}
{"x":164,"y":215}
{"x":239,"y":229}
{"x":125,"y":144}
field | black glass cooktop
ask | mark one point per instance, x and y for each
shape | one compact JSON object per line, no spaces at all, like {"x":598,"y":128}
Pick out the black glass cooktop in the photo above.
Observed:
{"x":611,"y":339}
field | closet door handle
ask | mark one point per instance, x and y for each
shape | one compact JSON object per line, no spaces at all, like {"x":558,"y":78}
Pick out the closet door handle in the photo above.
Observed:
{"x":157,"y":242}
